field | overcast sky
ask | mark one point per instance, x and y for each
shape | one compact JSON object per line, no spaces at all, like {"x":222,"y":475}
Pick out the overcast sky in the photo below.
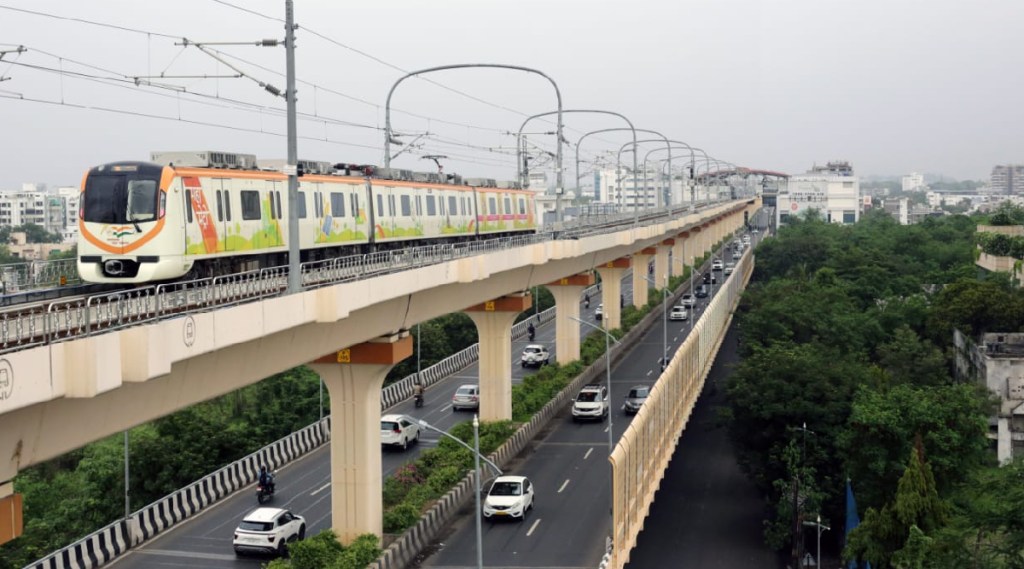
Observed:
{"x":892,"y":86}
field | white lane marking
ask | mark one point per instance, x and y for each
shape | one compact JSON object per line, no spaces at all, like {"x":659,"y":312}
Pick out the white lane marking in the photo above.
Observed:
{"x":590,"y":450}
{"x":564,"y":484}
{"x":533,"y":527}
{"x":320,"y":489}
{"x":446,"y":408}
{"x":606,"y":428}
{"x":649,"y":372}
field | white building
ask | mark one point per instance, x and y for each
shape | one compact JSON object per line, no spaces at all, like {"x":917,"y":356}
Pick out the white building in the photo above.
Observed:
{"x":832,"y":189}
{"x":913,"y":182}
{"x":643,"y":190}
{"x":54,"y":211}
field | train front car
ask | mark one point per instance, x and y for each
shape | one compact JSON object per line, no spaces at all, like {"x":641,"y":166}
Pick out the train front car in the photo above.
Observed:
{"x":130,"y":231}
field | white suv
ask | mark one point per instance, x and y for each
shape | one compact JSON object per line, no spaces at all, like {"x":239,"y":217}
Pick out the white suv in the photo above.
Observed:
{"x":535,"y":355}
{"x":591,"y":403}
{"x":398,"y":430}
{"x":268,"y":530}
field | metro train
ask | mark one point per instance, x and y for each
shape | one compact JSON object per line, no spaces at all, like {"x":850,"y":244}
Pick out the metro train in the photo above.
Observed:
{"x":189,"y":215}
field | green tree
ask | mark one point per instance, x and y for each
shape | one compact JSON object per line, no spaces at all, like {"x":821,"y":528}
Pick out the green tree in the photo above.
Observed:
{"x":884,"y":533}
{"x":948,"y":420}
{"x":910,"y":360}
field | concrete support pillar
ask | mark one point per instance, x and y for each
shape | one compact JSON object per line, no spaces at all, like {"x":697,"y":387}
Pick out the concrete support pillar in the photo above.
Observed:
{"x":354,"y":377}
{"x":678,"y":262}
{"x":611,"y":290}
{"x":493,"y":321}
{"x":661,"y":269}
{"x":1004,"y":442}
{"x":641,"y":262}
{"x":567,"y":292}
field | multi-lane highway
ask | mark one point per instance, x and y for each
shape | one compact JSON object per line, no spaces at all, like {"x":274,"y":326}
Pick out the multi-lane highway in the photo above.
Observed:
{"x":568,"y":466}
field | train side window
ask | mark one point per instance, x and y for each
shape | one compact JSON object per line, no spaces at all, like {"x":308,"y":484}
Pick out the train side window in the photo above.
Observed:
{"x":300,"y":205}
{"x":337,"y":204}
{"x":380,"y":205}
{"x":273,"y":208}
{"x":453,"y":205}
{"x":391,"y":206}
{"x":355,"y":205}
{"x":440,"y":204}
{"x":220,"y":206}
{"x":318,"y":204}
{"x":508,"y":205}
{"x":406,"y":205}
{"x":522,"y":206}
{"x":419,"y":205}
{"x":188,"y":204}
{"x":279,"y":210}
{"x":227,"y":206}
{"x":431,"y":205}
{"x":250,"y":204}
{"x":492,"y":206}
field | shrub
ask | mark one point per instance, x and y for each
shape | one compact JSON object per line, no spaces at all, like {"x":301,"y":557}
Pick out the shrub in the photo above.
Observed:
{"x":315,"y":552}
{"x":400,"y":517}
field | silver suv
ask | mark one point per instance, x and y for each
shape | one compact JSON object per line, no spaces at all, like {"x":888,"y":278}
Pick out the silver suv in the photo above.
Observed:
{"x":535,"y":355}
{"x":591,"y":403}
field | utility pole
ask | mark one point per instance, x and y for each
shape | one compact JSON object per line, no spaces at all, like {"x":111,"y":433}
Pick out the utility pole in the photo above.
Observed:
{"x":292,"y":168}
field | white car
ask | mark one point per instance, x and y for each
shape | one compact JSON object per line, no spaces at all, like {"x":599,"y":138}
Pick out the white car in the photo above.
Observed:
{"x":717,"y":265}
{"x":678,"y":313}
{"x":398,"y":430}
{"x":746,"y":239}
{"x":509,"y":497}
{"x":466,"y":397}
{"x":737,"y":255}
{"x":268,"y":530}
{"x":688,"y":301}
{"x":729,"y":268}
{"x":535,"y":355}
{"x":590,"y":403}
{"x":599,"y":312}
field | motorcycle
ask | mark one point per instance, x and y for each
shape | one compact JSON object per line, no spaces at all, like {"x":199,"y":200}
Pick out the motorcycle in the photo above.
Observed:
{"x":264,"y":492}
{"x":418,"y":400}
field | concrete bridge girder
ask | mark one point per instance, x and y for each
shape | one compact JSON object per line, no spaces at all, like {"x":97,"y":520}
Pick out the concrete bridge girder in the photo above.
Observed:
{"x":145,"y":372}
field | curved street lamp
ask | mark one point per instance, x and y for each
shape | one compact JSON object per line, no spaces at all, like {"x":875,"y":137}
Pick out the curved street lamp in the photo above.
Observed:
{"x":558,"y":194}
{"x":585,"y":135}
{"x":387,"y":106}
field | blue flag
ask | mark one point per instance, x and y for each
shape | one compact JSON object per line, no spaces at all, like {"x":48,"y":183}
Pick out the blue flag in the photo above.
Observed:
{"x":852,"y":521}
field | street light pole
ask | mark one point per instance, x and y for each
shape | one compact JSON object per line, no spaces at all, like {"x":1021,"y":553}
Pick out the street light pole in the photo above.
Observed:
{"x":821,"y":527}
{"x":476,"y":469}
{"x":664,"y":322}
{"x":476,"y":462}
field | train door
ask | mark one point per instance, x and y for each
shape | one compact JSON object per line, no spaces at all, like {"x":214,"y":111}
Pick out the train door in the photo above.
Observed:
{"x":222,"y":212}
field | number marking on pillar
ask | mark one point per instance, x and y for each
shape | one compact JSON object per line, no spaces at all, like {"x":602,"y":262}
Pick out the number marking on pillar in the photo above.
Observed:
{"x":345,"y":356}
{"x":489,"y":306}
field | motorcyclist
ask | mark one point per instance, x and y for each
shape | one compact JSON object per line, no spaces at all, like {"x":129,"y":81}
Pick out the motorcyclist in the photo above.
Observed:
{"x":266,"y":479}
{"x":586,"y":300}
{"x":531,"y":331}
{"x":417,"y":392}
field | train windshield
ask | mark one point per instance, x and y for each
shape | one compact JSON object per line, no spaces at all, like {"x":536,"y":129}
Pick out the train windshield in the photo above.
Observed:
{"x":120,"y":198}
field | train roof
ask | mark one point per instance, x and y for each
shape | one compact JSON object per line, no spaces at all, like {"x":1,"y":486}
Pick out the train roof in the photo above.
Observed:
{"x":237,"y":161}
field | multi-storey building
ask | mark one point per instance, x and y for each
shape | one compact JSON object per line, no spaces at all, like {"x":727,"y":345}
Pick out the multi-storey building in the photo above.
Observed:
{"x":997,"y":361}
{"x":913,"y":182}
{"x":832,"y":189}
{"x":1008,"y":179}
{"x":54,"y":211}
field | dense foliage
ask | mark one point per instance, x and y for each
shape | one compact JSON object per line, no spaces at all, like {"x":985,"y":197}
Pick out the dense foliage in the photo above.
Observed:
{"x":324,"y":551}
{"x":848,"y":329}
